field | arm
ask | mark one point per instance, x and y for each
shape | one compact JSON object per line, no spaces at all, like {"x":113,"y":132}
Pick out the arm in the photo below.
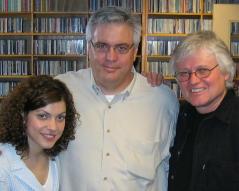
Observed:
{"x":4,"y":184}
{"x":5,"y":180}
{"x":163,"y":170}
{"x":168,"y":123}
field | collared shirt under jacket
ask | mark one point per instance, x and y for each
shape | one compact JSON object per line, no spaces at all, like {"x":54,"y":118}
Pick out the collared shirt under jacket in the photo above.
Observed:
{"x":215,"y":160}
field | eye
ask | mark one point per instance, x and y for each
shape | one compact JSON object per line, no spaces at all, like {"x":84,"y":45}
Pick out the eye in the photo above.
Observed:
{"x":61,"y":117}
{"x":122,"y":48}
{"x":182,"y":74}
{"x":101,"y":46}
{"x":202,"y":71}
{"x":42,"y":116}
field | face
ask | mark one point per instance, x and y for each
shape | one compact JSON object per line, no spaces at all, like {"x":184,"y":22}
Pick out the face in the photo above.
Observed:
{"x":206,"y":93}
{"x":112,"y":70}
{"x":45,"y":126}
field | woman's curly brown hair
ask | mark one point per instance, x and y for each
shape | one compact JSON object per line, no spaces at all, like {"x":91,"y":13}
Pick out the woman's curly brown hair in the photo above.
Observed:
{"x":33,"y":93}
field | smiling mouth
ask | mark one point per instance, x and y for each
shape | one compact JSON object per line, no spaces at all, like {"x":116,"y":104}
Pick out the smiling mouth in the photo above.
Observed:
{"x":49,"y":136}
{"x":196,"y":90}
{"x":109,"y":69}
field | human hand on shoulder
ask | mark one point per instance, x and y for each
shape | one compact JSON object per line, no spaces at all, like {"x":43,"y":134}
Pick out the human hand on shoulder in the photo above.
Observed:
{"x":153,"y":78}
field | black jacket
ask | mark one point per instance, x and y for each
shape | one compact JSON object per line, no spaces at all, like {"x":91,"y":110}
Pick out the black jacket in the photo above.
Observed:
{"x":216,"y":149}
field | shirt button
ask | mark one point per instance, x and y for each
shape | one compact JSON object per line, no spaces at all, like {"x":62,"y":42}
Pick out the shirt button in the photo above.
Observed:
{"x":172,"y":177}
{"x":105,"y":178}
{"x":108,"y":131}
{"x":109,"y":106}
{"x":107,"y":154}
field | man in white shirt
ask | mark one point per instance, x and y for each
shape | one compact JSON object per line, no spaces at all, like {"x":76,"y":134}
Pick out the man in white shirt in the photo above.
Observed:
{"x":127,"y":126}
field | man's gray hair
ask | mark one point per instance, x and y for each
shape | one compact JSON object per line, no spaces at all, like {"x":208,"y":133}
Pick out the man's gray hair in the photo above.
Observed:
{"x":109,"y":15}
{"x":206,"y":40}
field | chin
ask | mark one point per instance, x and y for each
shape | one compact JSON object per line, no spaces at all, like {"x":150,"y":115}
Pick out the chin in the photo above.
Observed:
{"x":199,"y":104}
{"x":195,"y":102}
{"x":48,"y":146}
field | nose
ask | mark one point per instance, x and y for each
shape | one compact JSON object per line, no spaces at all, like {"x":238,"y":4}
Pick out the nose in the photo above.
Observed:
{"x":111,"y":54}
{"x":52,"y":124}
{"x":193,"y":78}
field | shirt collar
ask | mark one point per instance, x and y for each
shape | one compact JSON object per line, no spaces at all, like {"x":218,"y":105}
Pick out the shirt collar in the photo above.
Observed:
{"x":223,"y":112}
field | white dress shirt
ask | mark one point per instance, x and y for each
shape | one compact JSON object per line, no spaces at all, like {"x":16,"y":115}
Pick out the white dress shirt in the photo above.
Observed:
{"x":122,"y":145}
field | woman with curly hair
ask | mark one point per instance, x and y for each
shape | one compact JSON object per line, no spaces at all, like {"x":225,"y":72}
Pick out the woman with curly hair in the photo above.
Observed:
{"x":37,"y":121}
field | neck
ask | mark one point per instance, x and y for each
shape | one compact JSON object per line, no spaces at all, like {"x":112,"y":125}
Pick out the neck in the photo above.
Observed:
{"x":33,"y":160}
{"x":111,"y":88}
{"x":38,"y":164}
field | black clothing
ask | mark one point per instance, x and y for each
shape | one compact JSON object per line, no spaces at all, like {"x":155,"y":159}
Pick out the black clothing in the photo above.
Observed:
{"x":205,"y":155}
{"x":184,"y":165}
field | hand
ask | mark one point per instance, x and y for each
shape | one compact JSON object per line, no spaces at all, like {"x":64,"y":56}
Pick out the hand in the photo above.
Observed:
{"x":153,"y":78}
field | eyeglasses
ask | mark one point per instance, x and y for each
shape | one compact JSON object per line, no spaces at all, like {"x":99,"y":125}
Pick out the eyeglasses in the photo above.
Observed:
{"x":200,"y":73}
{"x":104,"y":48}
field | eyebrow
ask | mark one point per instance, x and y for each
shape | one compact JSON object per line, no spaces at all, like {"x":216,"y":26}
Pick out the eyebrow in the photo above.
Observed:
{"x":42,"y":110}
{"x":124,"y":43}
{"x":198,"y":67}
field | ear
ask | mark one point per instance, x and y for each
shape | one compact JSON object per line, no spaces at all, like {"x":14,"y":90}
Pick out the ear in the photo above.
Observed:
{"x":88,"y":46}
{"x":24,"y":117}
{"x":226,"y":76}
{"x":135,"y":53}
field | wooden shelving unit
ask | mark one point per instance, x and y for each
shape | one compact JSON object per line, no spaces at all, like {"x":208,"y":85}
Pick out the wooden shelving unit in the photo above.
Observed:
{"x":52,"y":33}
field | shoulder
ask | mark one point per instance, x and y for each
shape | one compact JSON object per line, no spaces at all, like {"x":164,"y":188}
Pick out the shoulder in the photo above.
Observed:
{"x":5,"y":160}
{"x":76,"y":80}
{"x":162,"y":95}
{"x":232,"y":107}
{"x":75,"y":76}
{"x":162,"y":90}
{"x":235,"y":101}
{"x":7,"y":153}
{"x":230,"y":103}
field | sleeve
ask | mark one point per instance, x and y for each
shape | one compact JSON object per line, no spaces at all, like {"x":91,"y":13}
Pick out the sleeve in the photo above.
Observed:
{"x":167,"y":135}
{"x":5,"y":183}
{"x":4,"y":180}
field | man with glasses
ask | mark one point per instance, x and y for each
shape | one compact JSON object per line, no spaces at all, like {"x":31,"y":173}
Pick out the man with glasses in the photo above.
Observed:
{"x":127,"y":126}
{"x":205,"y":155}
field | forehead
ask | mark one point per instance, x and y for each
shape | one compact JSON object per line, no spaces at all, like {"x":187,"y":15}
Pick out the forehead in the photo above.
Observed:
{"x":53,"y":107}
{"x":200,"y":58}
{"x":113,"y":33}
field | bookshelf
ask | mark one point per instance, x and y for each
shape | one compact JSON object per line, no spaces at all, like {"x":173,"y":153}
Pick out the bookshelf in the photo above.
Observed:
{"x":230,"y":32}
{"x":58,"y":39}
{"x":167,"y":23}
{"x":234,"y":47}
{"x":234,"y":43}
{"x":48,"y":36}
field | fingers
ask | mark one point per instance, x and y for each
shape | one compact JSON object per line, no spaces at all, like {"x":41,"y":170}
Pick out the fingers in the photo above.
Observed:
{"x":153,"y":78}
{"x":159,"y":79}
{"x":148,"y":76}
{"x":144,"y":74}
